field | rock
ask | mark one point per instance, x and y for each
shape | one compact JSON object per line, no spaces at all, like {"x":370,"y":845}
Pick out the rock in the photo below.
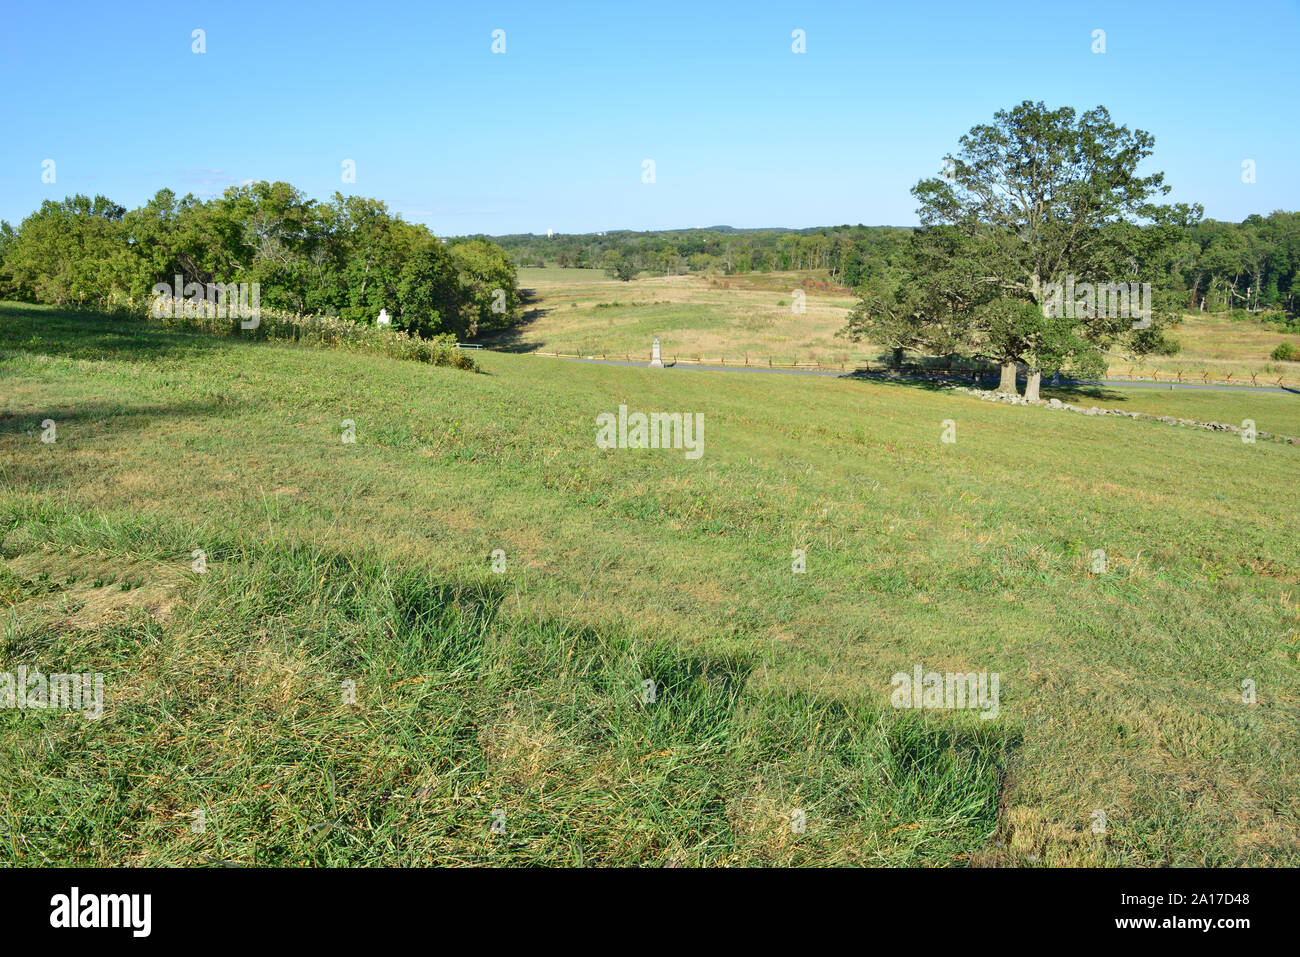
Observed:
{"x":1009,"y":399}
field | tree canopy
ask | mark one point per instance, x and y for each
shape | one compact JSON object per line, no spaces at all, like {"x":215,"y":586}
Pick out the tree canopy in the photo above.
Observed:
{"x":347,"y":257}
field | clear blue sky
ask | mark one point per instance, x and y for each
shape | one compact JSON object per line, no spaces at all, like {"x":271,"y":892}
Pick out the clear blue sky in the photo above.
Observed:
{"x":552,"y":134}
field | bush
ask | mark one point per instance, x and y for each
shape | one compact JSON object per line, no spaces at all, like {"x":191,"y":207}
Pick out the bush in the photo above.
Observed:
{"x":1286,"y":352}
{"x":1281,"y":321}
{"x":325,"y":331}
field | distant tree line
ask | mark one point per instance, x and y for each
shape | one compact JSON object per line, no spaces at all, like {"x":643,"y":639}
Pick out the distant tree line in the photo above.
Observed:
{"x":348,"y":257}
{"x":845,"y":253}
{"x":1250,"y":265}
{"x":1213,"y":265}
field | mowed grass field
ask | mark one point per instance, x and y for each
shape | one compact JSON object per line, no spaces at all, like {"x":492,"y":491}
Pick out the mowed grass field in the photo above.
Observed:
{"x":503,"y":718}
{"x":582,"y":312}
{"x":1271,"y":410}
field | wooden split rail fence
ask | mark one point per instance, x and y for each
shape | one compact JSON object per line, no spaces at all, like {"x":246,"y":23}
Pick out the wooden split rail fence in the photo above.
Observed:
{"x":1204,"y":377}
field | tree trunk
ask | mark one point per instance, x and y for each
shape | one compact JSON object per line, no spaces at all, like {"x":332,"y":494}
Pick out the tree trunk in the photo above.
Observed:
{"x":1008,"y":383}
{"x":898,"y":357}
{"x":1033,"y":379}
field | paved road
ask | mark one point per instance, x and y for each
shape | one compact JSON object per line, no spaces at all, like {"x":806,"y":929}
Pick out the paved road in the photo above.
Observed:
{"x":1114,"y":383}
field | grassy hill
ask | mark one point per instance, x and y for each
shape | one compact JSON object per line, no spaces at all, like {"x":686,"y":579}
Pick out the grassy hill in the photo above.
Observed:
{"x":516,"y":701}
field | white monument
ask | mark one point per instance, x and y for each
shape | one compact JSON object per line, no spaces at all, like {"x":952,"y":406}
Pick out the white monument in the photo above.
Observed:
{"x":383,"y":319}
{"x":655,"y":361}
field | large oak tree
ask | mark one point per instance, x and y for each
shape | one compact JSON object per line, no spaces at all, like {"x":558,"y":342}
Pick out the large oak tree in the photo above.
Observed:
{"x":1035,"y":197}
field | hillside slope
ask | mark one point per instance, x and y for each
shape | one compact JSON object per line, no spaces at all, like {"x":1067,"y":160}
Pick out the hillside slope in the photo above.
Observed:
{"x":521,"y":692}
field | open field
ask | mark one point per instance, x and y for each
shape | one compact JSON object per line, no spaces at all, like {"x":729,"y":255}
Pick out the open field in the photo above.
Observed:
{"x":691,"y":314}
{"x":1220,"y":345}
{"x":541,"y":276}
{"x":520,"y":692}
{"x":579,"y":311}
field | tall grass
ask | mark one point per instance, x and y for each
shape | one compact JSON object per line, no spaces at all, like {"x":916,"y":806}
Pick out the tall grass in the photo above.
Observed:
{"x":473,"y":739}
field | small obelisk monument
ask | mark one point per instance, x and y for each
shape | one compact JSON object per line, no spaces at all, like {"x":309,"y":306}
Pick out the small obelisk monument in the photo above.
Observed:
{"x":655,"y":361}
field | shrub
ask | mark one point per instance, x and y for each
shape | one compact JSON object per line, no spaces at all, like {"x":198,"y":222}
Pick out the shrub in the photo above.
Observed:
{"x":1286,"y":352}
{"x":325,"y":331}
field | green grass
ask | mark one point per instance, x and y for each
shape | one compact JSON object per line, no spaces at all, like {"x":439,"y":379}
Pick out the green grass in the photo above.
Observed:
{"x":1274,"y":412}
{"x":238,"y":710}
{"x":531,"y":275}
{"x":520,"y":692}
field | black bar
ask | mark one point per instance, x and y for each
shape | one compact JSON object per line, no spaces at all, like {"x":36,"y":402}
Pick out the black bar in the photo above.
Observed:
{"x":341,"y":908}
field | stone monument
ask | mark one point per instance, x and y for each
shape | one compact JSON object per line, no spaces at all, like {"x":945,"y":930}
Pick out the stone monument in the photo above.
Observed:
{"x":655,"y":361}
{"x":383,"y":319}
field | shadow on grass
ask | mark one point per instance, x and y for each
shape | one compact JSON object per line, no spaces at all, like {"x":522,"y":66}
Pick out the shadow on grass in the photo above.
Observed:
{"x":90,"y":334}
{"x":911,"y":381}
{"x":98,"y":419}
{"x":913,"y":377}
{"x":513,"y":339}
{"x":456,"y":712}
{"x":42,"y":467}
{"x":1073,"y":393}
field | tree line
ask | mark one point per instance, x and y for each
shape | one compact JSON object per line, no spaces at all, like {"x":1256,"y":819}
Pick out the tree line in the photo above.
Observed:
{"x":348,"y":257}
{"x":841,"y":251}
{"x":1250,"y":265}
{"x":1216,"y":266}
